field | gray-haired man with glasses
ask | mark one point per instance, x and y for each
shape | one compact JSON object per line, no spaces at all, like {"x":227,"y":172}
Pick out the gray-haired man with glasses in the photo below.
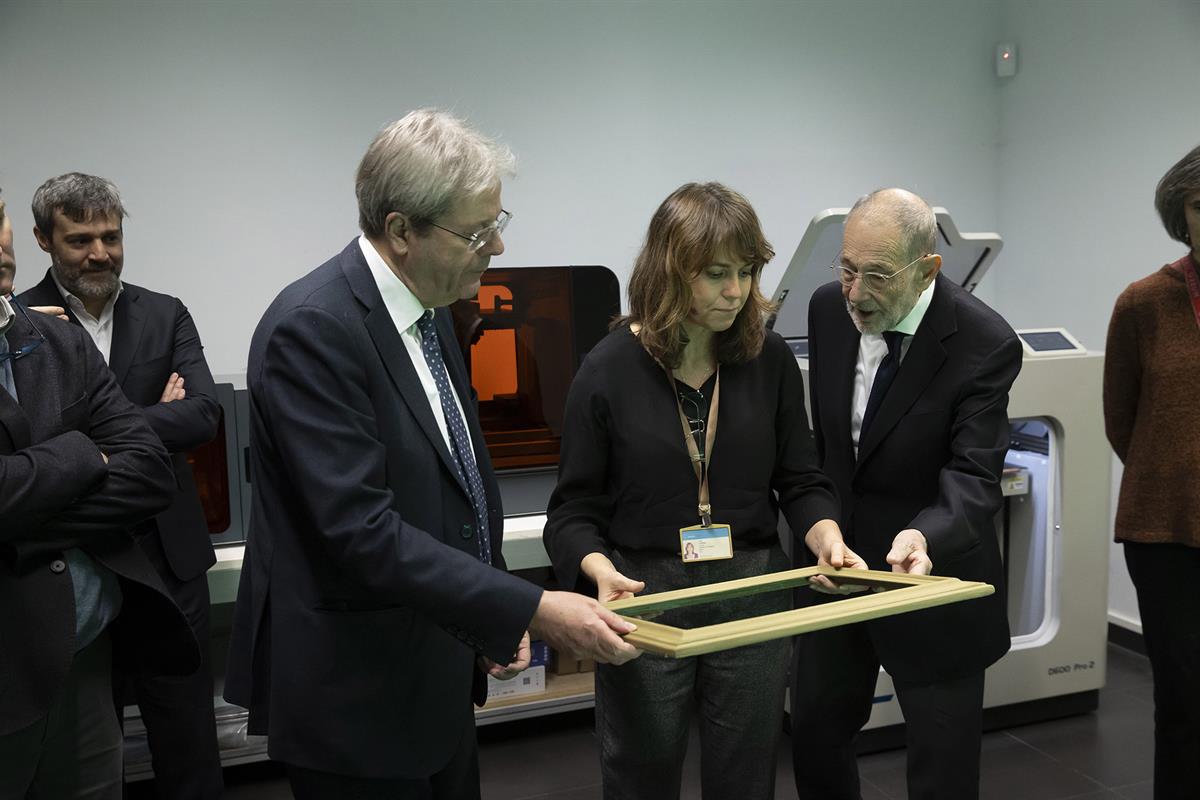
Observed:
{"x":373,"y":599}
{"x":910,"y":377}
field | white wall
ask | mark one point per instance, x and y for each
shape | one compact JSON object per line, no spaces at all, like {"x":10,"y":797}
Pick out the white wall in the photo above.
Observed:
{"x":234,"y":128}
{"x":1105,"y":101}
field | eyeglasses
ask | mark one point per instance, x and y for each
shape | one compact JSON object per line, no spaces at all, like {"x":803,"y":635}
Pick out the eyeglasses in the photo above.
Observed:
{"x":21,"y":352}
{"x":873,"y":281}
{"x":484,"y":235}
{"x":695,"y":408}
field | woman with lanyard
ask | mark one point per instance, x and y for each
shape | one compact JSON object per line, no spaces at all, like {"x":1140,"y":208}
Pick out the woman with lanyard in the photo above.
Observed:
{"x":1151,"y":382}
{"x":685,"y":436}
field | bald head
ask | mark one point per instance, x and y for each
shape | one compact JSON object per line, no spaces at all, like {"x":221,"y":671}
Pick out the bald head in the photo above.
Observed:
{"x":888,"y":240}
{"x":910,"y":217}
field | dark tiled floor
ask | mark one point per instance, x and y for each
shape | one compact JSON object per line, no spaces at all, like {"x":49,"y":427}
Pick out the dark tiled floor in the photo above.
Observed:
{"x":1106,"y":754}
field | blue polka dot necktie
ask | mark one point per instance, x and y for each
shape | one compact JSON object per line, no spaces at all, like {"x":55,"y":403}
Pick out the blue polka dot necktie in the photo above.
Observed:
{"x":6,"y":375}
{"x":883,"y":378}
{"x":464,"y":457}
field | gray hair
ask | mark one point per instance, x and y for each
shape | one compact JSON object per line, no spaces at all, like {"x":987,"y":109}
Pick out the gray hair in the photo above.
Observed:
{"x":916,"y":220}
{"x":421,"y":164}
{"x":1180,"y":181}
{"x":79,"y":197}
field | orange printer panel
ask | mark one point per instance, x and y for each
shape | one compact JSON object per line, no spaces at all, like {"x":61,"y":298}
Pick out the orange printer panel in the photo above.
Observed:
{"x":523,"y":338}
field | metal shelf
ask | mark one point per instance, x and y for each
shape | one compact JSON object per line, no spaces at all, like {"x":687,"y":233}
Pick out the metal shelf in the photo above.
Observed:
{"x":563,"y":693}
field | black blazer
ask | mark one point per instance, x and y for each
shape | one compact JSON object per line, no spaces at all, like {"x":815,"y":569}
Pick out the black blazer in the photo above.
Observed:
{"x":931,"y":460}
{"x":625,"y":479}
{"x":153,"y":335}
{"x":362,"y":602}
{"x":57,"y":493}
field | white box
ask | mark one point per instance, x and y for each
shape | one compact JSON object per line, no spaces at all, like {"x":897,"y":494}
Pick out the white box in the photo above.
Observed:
{"x":531,"y":681}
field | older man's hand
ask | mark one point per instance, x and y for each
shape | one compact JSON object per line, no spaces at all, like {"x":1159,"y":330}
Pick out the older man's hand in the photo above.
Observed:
{"x":519,"y":664}
{"x":572,"y":623}
{"x":910,"y":553}
{"x":824,"y":540}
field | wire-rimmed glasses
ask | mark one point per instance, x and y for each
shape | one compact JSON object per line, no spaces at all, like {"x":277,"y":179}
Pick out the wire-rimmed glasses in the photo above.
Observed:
{"x":481,"y":237}
{"x":873,"y":281}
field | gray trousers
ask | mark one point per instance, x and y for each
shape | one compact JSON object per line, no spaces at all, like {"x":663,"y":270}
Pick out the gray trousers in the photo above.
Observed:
{"x":75,"y":751}
{"x":644,"y":708}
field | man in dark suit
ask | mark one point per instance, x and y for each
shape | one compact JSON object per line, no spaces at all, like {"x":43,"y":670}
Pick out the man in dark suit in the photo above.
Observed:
{"x":909,"y":378}
{"x":152,"y":347}
{"x":373,"y":597}
{"x":78,"y":468}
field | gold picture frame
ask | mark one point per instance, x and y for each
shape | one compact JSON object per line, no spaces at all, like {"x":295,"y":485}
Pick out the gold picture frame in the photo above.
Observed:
{"x":902,"y":593}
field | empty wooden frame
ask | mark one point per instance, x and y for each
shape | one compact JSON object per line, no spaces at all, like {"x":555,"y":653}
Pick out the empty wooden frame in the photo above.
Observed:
{"x":900,"y":593}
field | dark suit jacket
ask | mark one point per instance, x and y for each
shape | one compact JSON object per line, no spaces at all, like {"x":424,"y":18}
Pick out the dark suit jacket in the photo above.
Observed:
{"x":153,"y":336}
{"x":56,"y":493}
{"x":931,"y":460}
{"x":362,"y":602}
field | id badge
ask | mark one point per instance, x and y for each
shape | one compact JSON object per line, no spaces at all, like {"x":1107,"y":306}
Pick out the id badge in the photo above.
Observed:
{"x":699,"y":543}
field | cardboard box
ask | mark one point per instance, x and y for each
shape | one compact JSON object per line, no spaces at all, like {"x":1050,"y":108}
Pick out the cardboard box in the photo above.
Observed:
{"x":563,"y":664}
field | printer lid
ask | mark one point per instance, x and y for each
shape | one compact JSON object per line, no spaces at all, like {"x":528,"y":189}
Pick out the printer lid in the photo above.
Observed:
{"x":965,"y":260}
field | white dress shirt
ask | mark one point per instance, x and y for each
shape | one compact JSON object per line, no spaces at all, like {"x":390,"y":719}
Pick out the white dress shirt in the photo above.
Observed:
{"x":99,"y":329}
{"x":405,"y":309}
{"x":871,"y":351}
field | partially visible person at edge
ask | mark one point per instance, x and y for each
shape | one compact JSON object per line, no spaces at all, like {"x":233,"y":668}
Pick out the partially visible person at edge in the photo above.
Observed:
{"x":690,"y":400}
{"x":1151,"y":382}
{"x":8,"y":263}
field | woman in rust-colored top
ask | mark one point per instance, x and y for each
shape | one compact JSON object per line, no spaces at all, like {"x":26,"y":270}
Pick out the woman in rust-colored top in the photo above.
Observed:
{"x":1151,"y":384}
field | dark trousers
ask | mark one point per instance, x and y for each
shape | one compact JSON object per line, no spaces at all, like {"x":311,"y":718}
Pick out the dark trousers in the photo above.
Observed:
{"x":181,"y":726}
{"x":1167,"y":580}
{"x":457,"y":780}
{"x":74,"y":752}
{"x":833,"y":687}
{"x":644,"y":708}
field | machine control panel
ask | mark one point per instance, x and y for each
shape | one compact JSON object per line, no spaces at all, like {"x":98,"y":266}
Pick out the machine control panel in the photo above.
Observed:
{"x":1049,"y":342}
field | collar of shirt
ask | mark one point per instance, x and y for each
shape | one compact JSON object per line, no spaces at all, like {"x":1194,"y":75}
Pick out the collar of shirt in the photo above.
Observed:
{"x":873,"y":343}
{"x":77,"y":306}
{"x":405,"y":309}
{"x":402,"y":305}
{"x":871,"y":351}
{"x":908,"y":326}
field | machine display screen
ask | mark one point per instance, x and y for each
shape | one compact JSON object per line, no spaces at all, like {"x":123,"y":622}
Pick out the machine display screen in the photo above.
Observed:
{"x":1043,"y":341}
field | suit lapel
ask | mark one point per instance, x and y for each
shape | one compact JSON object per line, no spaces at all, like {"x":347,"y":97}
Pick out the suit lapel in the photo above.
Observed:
{"x":394,"y":355}
{"x":14,"y":425}
{"x":46,"y":294}
{"x":925,"y":357}
{"x":129,"y":320}
{"x":840,"y":352}
{"x":13,"y":417}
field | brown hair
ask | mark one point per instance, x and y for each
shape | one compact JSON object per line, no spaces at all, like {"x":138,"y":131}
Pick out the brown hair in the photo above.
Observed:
{"x":696,"y":223}
{"x":1180,"y":181}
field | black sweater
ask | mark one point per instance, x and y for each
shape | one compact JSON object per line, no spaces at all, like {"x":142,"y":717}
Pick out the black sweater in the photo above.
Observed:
{"x":625,"y":479}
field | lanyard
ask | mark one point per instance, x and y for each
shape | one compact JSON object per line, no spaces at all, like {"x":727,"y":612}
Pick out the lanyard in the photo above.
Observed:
{"x":701,"y":463}
{"x":1190,"y":267}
